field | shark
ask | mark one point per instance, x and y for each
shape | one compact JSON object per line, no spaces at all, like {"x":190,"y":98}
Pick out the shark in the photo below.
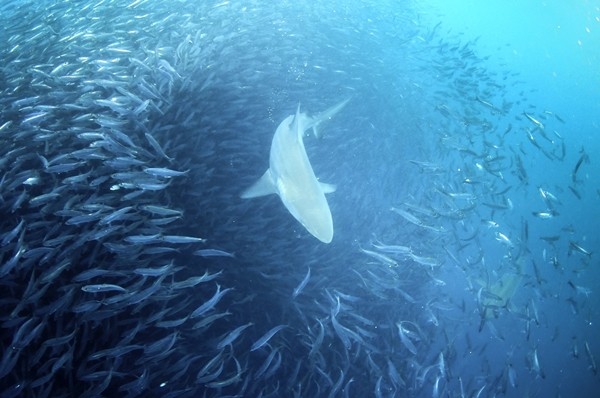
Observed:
{"x":291,"y":176}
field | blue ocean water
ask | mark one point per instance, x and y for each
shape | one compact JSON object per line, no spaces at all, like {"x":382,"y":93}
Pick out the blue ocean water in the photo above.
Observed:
{"x":550,"y":44}
{"x":464,"y":253}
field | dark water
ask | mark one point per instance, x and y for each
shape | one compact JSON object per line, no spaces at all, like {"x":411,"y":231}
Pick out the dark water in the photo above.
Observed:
{"x":129,"y":132}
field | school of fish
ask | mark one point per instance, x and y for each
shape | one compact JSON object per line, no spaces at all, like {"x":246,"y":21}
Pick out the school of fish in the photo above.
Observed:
{"x":130,"y":266}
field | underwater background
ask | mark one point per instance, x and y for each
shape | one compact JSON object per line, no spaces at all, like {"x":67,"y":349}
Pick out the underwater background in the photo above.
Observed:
{"x":464,"y":260}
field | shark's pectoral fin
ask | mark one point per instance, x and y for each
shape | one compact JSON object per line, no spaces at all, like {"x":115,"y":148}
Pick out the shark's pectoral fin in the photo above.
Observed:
{"x":327,"y":188}
{"x":264,"y":186}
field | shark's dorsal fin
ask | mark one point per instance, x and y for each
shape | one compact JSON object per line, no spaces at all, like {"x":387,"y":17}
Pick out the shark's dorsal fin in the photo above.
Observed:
{"x":296,"y":123}
{"x":264,"y":186}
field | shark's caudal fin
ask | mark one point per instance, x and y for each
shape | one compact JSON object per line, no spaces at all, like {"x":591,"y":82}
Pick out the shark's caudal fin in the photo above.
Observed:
{"x":314,"y":121}
{"x":290,"y":174}
{"x":264,"y":186}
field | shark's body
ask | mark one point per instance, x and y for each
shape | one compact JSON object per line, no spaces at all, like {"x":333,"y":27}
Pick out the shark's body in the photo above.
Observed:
{"x":291,"y":176}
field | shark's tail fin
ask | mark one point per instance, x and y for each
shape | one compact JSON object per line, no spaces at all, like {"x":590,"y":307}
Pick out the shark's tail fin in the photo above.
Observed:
{"x":314,"y":121}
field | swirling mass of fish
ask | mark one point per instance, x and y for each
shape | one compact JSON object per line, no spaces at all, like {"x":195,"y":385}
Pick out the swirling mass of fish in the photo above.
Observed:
{"x":130,"y":265}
